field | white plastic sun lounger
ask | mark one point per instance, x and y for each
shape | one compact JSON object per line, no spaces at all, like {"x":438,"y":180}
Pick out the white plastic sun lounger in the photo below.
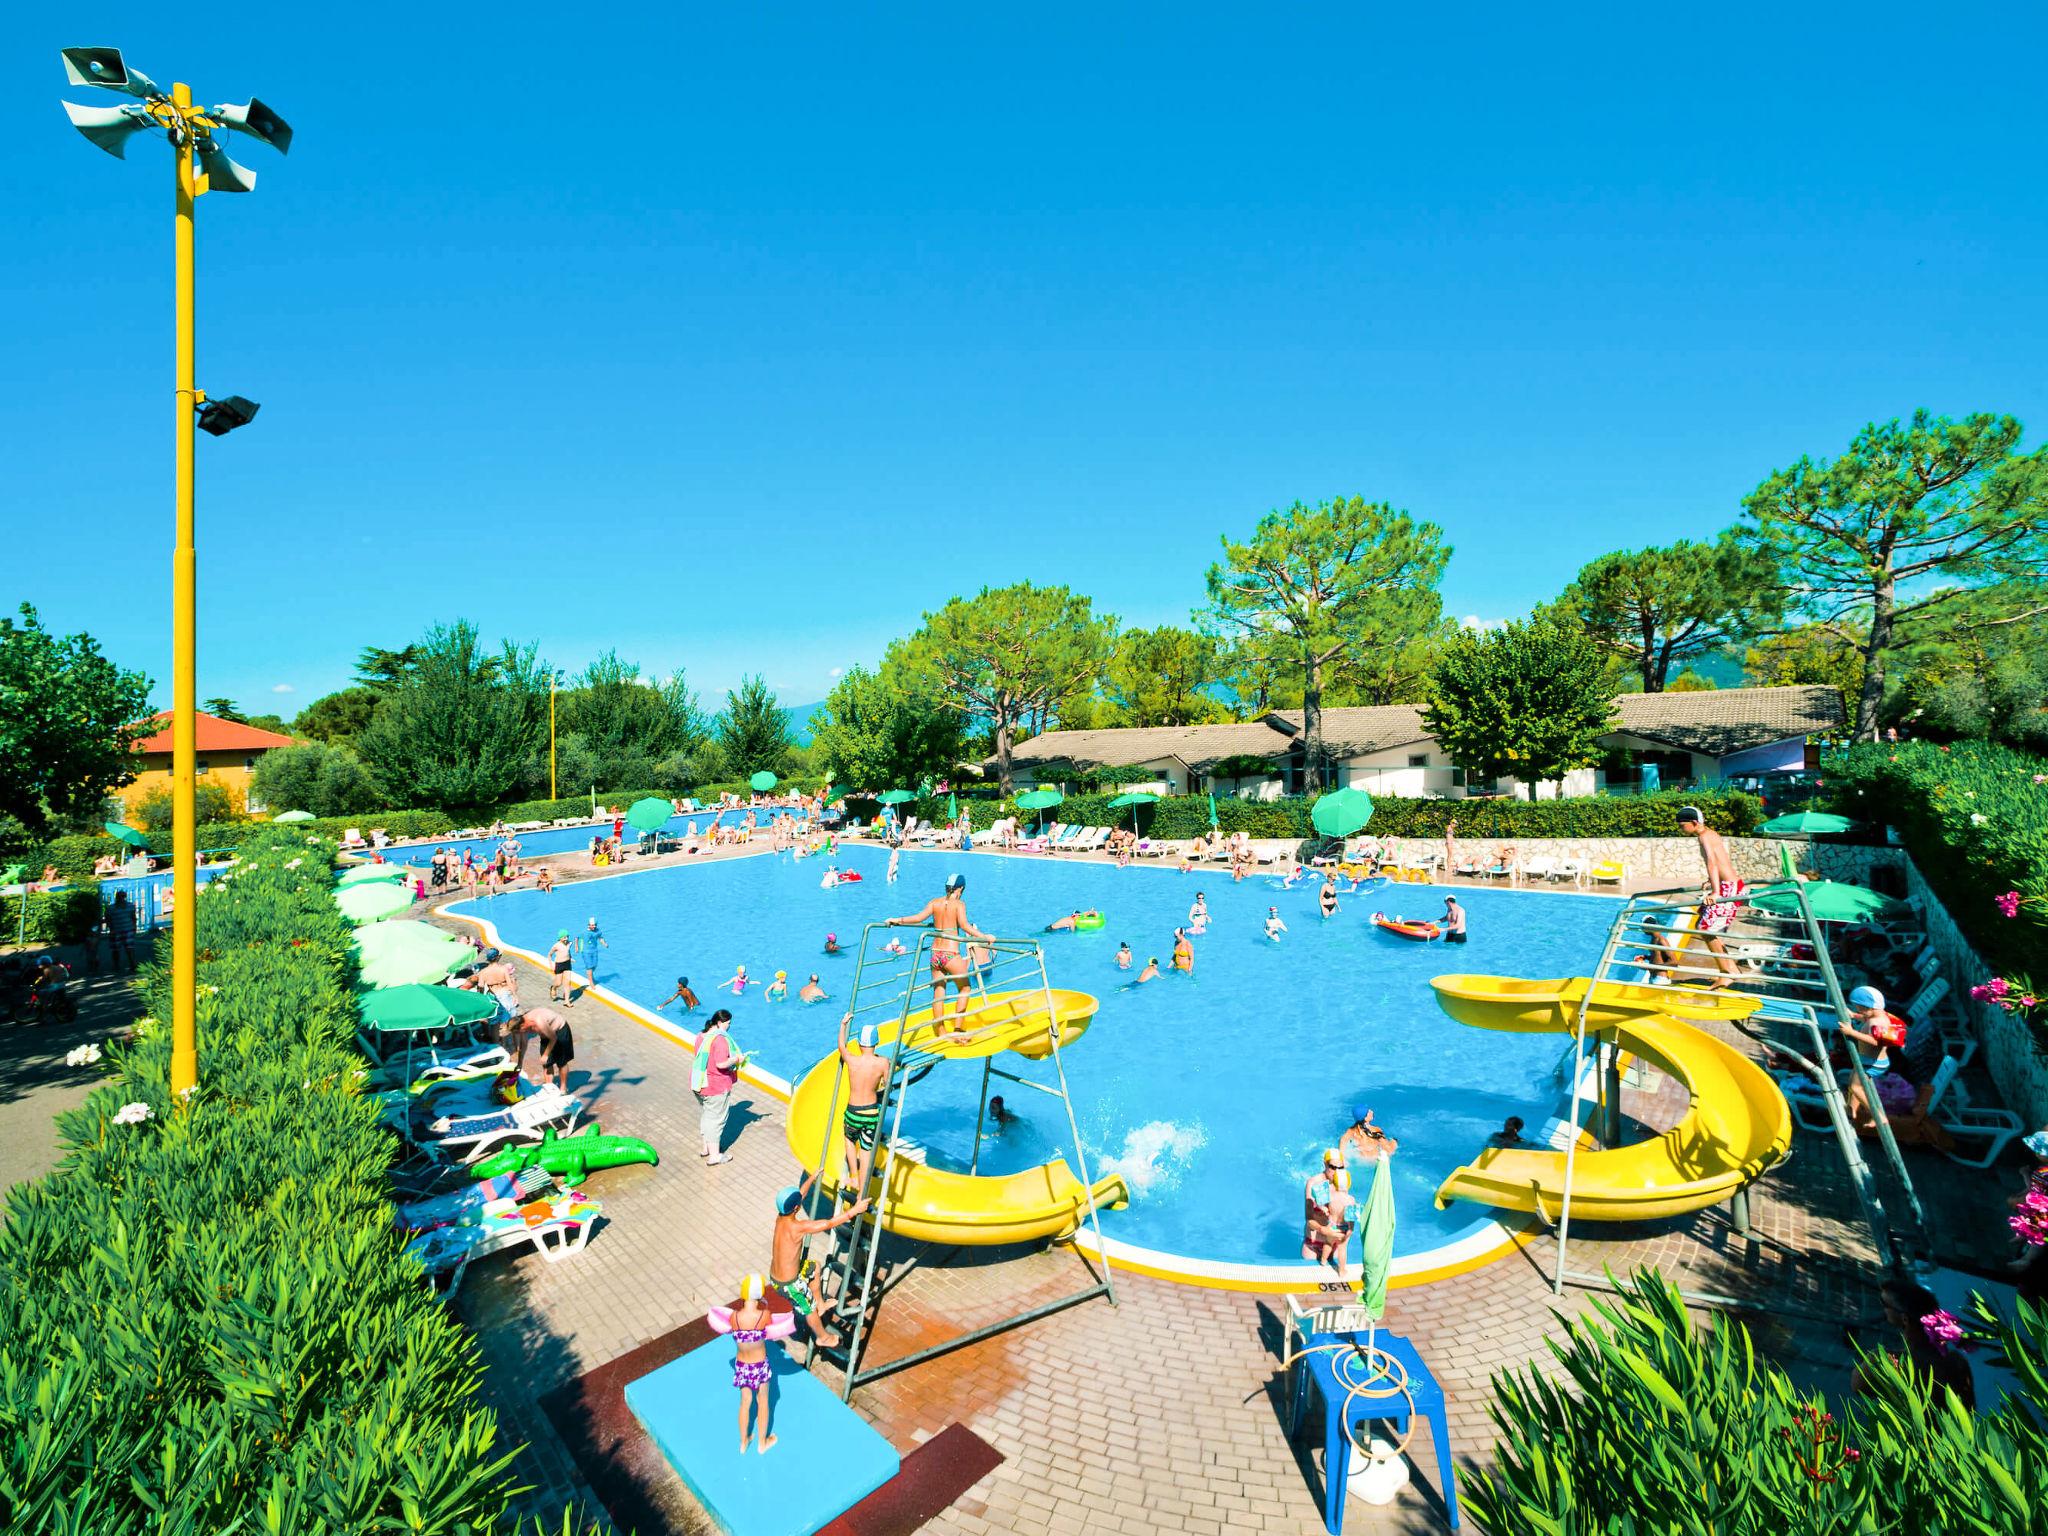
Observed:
{"x":447,"y":1252}
{"x":471,"y":1138}
{"x":1933,"y":1005}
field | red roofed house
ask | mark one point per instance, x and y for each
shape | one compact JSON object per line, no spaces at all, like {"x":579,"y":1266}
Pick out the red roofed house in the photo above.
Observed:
{"x":227,"y":751}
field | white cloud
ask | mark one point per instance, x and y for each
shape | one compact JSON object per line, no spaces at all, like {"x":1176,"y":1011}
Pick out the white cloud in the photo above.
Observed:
{"x":837,"y":672}
{"x":1473,"y":621}
{"x":282,"y":688}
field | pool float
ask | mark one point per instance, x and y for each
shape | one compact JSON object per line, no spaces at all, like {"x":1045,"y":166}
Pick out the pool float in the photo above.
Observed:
{"x":849,"y":877}
{"x":568,"y":1157}
{"x":1088,"y":922}
{"x":1406,"y":930}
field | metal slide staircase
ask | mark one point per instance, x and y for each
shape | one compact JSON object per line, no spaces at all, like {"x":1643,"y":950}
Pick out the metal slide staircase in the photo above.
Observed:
{"x":890,"y":988}
{"x":1782,"y":958}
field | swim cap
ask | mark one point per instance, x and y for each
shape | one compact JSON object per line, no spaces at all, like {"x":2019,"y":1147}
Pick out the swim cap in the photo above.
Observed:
{"x":1333,"y":1158}
{"x":752,"y":1287}
{"x":788,"y":1198}
{"x":1690,"y":813}
{"x":831,"y":938}
{"x":1866,"y":997}
{"x":682,"y":981}
{"x":782,"y":975}
{"x":955,"y":881}
{"x":563,"y":934}
{"x":1360,"y":1114}
{"x":868,"y":1037}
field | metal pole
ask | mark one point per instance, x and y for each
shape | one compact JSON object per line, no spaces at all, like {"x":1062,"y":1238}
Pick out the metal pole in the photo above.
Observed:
{"x":184,"y":643}
{"x":551,"y":733}
{"x":1571,"y":1146}
{"x":980,"y":1112}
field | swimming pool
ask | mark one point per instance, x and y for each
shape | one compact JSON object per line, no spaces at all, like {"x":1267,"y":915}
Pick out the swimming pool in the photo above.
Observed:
{"x":546,"y":840}
{"x":1212,"y":1094}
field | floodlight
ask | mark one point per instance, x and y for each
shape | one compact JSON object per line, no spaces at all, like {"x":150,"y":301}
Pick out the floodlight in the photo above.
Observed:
{"x":222,"y":416}
{"x":109,"y":127}
{"x":258,"y":121}
{"x":103,"y":66}
{"x":222,"y":174}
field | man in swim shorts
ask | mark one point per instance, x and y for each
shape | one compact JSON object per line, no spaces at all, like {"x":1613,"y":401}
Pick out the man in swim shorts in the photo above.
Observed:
{"x":810,"y":991}
{"x":557,"y":1043}
{"x":861,"y":1123}
{"x":1720,"y":893}
{"x":947,"y":914}
{"x":1453,"y":924}
{"x":559,"y":955}
{"x":1064,"y":924}
{"x":788,"y":1272}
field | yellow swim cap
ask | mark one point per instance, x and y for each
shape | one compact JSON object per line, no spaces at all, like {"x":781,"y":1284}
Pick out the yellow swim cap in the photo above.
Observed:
{"x":782,"y":975}
{"x":1334,"y":1158}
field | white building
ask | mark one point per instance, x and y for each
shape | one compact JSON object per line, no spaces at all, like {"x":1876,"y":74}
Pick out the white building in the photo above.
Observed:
{"x":1660,"y":740}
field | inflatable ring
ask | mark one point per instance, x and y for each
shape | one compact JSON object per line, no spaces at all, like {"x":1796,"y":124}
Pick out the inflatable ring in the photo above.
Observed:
{"x":847,"y":875}
{"x":1088,"y":922}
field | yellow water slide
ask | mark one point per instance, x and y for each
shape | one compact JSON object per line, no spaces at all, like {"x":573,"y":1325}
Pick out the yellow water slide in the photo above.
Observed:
{"x":969,"y":1210}
{"x":1737,"y":1128}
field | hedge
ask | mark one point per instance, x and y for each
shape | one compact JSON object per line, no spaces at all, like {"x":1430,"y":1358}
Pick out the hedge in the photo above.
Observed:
{"x":206,"y":1319}
{"x":1974,"y":816}
{"x":1187,"y":816}
{"x":54,"y":917}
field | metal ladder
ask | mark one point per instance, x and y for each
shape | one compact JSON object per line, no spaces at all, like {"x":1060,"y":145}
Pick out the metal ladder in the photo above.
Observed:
{"x":1798,"y":991}
{"x":886,"y":988}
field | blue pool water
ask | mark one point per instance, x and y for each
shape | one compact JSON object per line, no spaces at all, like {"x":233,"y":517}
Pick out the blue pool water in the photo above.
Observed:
{"x":547,"y":840}
{"x":1213,"y":1094}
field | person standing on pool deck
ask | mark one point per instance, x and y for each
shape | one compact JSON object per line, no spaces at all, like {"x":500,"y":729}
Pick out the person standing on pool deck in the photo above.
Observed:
{"x":713,"y":1076}
{"x":559,"y":955}
{"x":1453,"y":924}
{"x":1721,"y":892}
{"x":557,"y":1043}
{"x":947,"y":914}
{"x":592,"y":941}
{"x":788,"y":1272}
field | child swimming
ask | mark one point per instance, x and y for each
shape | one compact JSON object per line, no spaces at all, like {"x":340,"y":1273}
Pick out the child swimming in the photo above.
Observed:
{"x":1123,"y":957}
{"x":778,"y":989}
{"x":738,"y":983}
{"x":1274,"y":927}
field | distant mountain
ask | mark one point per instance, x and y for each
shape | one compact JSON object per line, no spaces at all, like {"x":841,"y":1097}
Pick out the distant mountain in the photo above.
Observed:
{"x":799,"y":718}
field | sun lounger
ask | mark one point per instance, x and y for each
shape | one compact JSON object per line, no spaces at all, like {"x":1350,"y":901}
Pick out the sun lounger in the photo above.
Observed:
{"x":470,"y":1138}
{"x":1608,"y":872}
{"x":1542,"y":867}
{"x":1984,"y":1132}
{"x":1149,"y":849}
{"x":1573,"y":870}
{"x":1932,"y":1004}
{"x":1090,"y":840}
{"x":555,"y":1226}
{"x":469,"y":1201}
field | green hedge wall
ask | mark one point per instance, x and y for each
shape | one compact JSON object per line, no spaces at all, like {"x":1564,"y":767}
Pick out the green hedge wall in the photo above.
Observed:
{"x":54,"y":917}
{"x":1974,"y":816}
{"x":206,"y":1322}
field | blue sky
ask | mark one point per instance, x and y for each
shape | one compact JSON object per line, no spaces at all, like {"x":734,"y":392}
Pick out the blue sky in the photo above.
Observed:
{"x":739,"y":337}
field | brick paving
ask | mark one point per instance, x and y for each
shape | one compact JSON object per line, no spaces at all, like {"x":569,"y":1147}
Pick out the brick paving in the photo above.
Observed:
{"x":1160,"y":1413}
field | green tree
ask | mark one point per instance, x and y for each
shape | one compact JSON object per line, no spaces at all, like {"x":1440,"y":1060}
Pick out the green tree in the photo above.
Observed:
{"x":381,"y":671}
{"x":1008,"y":659}
{"x":628,"y":724}
{"x":1164,"y":676}
{"x":211,"y":799}
{"x":1966,"y":677}
{"x":312,"y":776}
{"x":1656,"y":610}
{"x":69,"y":719}
{"x":462,"y":729}
{"x":1905,"y":522}
{"x":338,"y":717}
{"x":1260,"y":675}
{"x":223,"y":709}
{"x":1325,"y":582}
{"x":268,"y":723}
{"x":1528,"y":701}
{"x":884,"y":730}
{"x":753,"y":733}
{"x":1829,"y":654}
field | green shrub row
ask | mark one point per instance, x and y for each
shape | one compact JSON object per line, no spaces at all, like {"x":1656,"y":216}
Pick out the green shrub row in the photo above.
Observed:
{"x":206,"y":1319}
{"x":53,"y":917}
{"x":1974,"y":816}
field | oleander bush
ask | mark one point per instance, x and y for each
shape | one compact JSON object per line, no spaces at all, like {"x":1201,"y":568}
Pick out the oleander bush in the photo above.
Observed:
{"x":206,"y":1321}
{"x":53,"y":917}
{"x":1974,"y":816}
{"x":1655,"y":1425}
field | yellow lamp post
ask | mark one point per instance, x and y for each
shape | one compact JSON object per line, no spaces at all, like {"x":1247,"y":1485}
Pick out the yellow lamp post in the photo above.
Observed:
{"x":201,"y":164}
{"x":551,"y":733}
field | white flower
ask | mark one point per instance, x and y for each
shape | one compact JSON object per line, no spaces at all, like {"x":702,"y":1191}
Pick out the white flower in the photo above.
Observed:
{"x":1977,"y":818}
{"x":82,"y":1056}
{"x":132,"y":1114}
{"x":291,"y":863}
{"x":188,"y":1090}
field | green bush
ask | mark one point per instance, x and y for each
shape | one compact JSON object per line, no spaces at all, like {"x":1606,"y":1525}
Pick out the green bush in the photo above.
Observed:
{"x":213,"y":801}
{"x":206,"y":1319}
{"x":575,"y":805}
{"x":1974,"y":816}
{"x":1657,"y":1425}
{"x":75,"y":855}
{"x":54,"y":917}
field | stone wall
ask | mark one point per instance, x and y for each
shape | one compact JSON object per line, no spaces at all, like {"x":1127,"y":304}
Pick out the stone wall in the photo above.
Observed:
{"x":1657,"y":862}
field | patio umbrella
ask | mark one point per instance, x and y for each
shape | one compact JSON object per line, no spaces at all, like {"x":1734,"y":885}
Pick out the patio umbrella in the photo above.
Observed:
{"x":128,"y":835}
{"x":394,"y":953}
{"x":952,"y":806}
{"x":1376,"y":1244}
{"x":1214,"y":824}
{"x":897,"y":796}
{"x":1833,"y":901}
{"x":1133,"y":798}
{"x":1342,"y":812}
{"x":361,"y":874}
{"x":649,"y":815}
{"x":368,"y":900}
{"x":1039,"y":800}
{"x":292,"y":816}
{"x":1805,"y":824}
{"x":762,"y":781}
{"x":421,"y":1007}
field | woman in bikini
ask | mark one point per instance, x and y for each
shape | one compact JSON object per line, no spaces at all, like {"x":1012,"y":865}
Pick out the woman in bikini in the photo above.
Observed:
{"x":947,"y":914}
{"x":751,"y":1325}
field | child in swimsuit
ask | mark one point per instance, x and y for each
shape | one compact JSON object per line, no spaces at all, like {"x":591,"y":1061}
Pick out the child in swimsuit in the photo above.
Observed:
{"x":752,"y":1325}
{"x":738,"y":982}
{"x":778,"y":989}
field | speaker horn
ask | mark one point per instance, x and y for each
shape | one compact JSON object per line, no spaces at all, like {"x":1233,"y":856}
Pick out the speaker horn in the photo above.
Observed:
{"x":105,"y":67}
{"x":258,"y":121}
{"x":109,"y":127}
{"x":222,"y":174}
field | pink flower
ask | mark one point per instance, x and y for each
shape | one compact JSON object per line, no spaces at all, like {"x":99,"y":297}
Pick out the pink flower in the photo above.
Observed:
{"x":2027,"y":1231}
{"x":2041,"y":778}
{"x":1942,"y":1329}
{"x":2008,"y":903}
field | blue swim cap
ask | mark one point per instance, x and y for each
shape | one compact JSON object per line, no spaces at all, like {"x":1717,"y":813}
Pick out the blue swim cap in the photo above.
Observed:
{"x":1360,"y":1114}
{"x":787,"y":1199}
{"x":955,"y":881}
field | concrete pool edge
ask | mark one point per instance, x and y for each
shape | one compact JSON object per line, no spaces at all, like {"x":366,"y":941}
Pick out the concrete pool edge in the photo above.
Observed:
{"x":1484,"y":1242}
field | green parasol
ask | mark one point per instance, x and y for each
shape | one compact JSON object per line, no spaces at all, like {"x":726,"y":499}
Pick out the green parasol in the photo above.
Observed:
{"x":762,"y":781}
{"x":1039,"y":800}
{"x":1376,"y":1242}
{"x":952,"y":806}
{"x":1805,"y":824}
{"x":283,"y":816}
{"x":1833,"y":901}
{"x":1342,"y":812}
{"x":897,"y":796}
{"x":358,"y":874}
{"x":1214,"y":824}
{"x":1133,"y":798}
{"x":368,"y":900}
{"x":421,"y":1007}
{"x":394,"y":953}
{"x":128,"y":835}
{"x":649,"y":815}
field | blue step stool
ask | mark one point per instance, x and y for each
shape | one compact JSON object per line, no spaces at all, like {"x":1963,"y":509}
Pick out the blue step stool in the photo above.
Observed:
{"x":827,"y":1460}
{"x":1341,"y":1413}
